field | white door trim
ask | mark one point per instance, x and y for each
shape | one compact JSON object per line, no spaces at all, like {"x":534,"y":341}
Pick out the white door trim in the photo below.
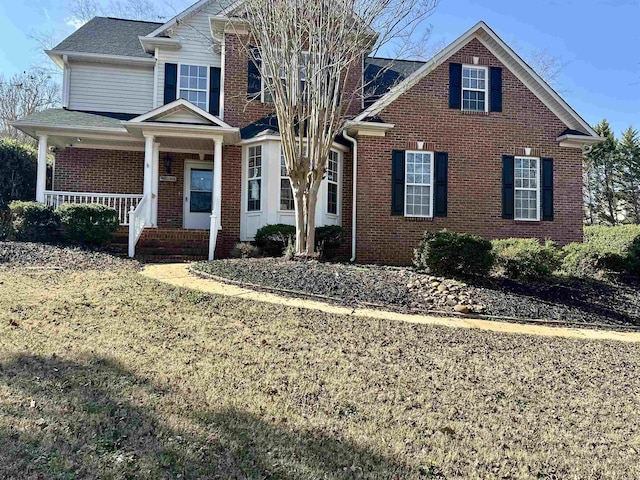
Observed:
{"x":186,"y":190}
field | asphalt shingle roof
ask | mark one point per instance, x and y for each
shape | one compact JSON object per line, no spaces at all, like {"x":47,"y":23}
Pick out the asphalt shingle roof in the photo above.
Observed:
{"x":109,"y":36}
{"x":60,"y":117}
{"x":382,"y":74}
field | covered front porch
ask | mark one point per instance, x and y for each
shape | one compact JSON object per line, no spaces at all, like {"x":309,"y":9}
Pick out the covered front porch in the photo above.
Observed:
{"x":161,"y":170}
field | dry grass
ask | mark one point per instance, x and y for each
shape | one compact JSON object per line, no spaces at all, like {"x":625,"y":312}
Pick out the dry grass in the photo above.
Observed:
{"x":110,"y":375}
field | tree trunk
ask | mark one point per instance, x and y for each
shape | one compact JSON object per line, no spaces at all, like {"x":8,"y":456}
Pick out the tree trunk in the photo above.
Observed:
{"x":301,"y":237}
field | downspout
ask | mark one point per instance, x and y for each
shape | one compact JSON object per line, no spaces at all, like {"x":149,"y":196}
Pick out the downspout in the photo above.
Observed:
{"x":354,"y":194}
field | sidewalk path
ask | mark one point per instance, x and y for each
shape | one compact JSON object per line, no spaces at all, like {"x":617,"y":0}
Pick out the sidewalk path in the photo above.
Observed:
{"x":178,"y":275}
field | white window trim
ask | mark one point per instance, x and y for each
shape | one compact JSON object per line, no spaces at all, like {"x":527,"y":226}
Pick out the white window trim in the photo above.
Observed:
{"x":538,"y":190}
{"x":485,"y":90}
{"x":179,"y":87}
{"x":431,"y":180}
{"x":249,"y":179}
{"x":337,"y":184}
{"x":281,"y":177}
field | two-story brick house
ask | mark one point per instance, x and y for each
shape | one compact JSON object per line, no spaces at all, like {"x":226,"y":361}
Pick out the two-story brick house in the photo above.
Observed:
{"x":170,"y":121}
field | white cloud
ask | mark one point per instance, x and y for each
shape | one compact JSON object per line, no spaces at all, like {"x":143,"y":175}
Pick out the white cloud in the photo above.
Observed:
{"x":74,"y":22}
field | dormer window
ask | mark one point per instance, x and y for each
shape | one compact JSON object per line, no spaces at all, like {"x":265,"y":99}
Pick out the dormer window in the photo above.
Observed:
{"x":193,"y":84}
{"x":474,"y":89}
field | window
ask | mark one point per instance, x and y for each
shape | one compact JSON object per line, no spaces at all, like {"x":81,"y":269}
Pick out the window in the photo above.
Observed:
{"x":418,"y":181}
{"x":527,"y":187}
{"x":332,"y":182}
{"x":254,"y":176}
{"x":286,"y":192}
{"x":201,"y":182}
{"x":266,"y":95}
{"x":474,"y":89}
{"x":193,"y":84}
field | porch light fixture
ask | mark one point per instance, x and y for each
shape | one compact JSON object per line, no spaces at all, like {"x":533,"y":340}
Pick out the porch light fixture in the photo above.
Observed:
{"x":168,"y":161}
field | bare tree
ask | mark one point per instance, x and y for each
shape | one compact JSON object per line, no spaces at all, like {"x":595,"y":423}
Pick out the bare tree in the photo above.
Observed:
{"x":309,"y":53}
{"x":22,"y":95}
{"x":83,"y":10}
{"x":547,"y":65}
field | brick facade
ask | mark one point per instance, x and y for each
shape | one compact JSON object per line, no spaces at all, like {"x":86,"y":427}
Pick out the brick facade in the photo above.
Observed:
{"x":475,"y":144}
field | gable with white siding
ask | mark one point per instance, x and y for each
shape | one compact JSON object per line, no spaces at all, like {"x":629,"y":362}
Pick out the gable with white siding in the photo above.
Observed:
{"x":198,"y":47}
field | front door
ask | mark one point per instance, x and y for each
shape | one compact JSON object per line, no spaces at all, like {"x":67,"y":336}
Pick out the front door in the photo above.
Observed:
{"x":198,"y":195}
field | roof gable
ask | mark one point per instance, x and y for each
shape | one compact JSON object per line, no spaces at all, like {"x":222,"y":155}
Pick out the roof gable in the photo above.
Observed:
{"x":207,"y":7}
{"x":180,"y":112}
{"x":509,"y":59}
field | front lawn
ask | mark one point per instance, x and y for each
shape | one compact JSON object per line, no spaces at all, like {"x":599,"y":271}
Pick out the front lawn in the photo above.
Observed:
{"x":111,"y":375}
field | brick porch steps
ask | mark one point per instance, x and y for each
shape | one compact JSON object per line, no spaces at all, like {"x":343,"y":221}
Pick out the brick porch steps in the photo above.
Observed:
{"x":162,"y":245}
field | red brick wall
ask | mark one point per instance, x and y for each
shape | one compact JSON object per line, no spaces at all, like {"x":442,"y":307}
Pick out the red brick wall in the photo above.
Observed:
{"x":475,"y":144}
{"x":99,"y":171}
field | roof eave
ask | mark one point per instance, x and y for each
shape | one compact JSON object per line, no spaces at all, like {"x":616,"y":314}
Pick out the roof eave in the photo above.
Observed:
{"x":579,"y":141}
{"x":57,"y":55}
{"x":367,"y":129}
{"x":149,"y":44}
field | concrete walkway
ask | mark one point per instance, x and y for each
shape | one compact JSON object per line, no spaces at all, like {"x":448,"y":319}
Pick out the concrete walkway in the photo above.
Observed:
{"x":178,"y":275}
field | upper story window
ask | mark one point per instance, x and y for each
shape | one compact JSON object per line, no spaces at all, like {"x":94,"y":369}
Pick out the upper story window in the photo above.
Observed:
{"x":418,"y":184}
{"x":474,"y":89}
{"x":266,"y":95}
{"x":527,"y":188}
{"x":254,"y":176}
{"x":332,"y":182}
{"x":193,"y":84}
{"x":286,"y":192}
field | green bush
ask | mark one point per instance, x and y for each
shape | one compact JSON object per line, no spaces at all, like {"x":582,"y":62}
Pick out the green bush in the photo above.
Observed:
{"x":88,"y":223}
{"x":329,"y":239}
{"x":633,"y":257}
{"x":18,"y":167}
{"x":604,"y":249}
{"x":34,"y":222}
{"x":5,"y":223}
{"x":272,"y":239}
{"x":526,"y":258}
{"x":458,"y":254}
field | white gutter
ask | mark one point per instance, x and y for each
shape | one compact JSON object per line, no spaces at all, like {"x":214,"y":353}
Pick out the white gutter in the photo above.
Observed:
{"x":354,"y":204}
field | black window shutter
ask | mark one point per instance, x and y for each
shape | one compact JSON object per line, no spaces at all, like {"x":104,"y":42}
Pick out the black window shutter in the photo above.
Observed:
{"x":441,"y":181}
{"x":254,"y":80}
{"x":508,"y":190}
{"x":397,"y":182}
{"x":214,"y":90}
{"x":547,"y":189}
{"x":170,"y":82}
{"x":455,"y":85}
{"x":495,"y":95}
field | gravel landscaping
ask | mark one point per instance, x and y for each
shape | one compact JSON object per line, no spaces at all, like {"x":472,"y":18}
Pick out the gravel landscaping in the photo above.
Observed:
{"x":407,"y":290}
{"x":38,"y":255}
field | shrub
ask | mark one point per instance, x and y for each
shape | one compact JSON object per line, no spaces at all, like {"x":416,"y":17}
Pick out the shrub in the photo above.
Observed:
{"x":88,"y":223}
{"x":34,"y":222}
{"x":633,"y":257}
{"x":5,"y":223}
{"x":604,"y":249}
{"x":526,"y":258}
{"x":18,"y":171}
{"x":272,"y":239}
{"x":245,"y":250}
{"x":328,"y":239}
{"x":457,"y":254}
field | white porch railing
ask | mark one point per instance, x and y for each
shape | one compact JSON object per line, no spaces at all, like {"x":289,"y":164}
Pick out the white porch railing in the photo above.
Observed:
{"x":214,"y":227}
{"x":138,"y":218}
{"x":121,"y":203}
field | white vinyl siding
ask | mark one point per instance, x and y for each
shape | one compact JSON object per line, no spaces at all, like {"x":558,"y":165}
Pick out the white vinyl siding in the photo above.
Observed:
{"x":110,"y":88}
{"x":197,"y":47}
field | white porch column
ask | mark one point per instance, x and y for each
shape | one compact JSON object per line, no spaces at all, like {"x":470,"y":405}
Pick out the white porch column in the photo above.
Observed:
{"x":148,"y":174}
{"x":41,"y":180}
{"x":217,"y":180}
{"x":155,"y":172}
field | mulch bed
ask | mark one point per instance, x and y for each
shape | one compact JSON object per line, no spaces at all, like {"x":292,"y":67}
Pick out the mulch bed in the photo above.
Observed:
{"x":42,"y":256}
{"x":614,"y":303}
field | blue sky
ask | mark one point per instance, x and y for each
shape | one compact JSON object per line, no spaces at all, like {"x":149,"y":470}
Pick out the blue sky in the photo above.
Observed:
{"x":598,"y":39}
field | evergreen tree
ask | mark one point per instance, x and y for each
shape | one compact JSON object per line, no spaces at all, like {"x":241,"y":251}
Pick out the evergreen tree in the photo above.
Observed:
{"x":602,"y":162}
{"x":629,"y":178}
